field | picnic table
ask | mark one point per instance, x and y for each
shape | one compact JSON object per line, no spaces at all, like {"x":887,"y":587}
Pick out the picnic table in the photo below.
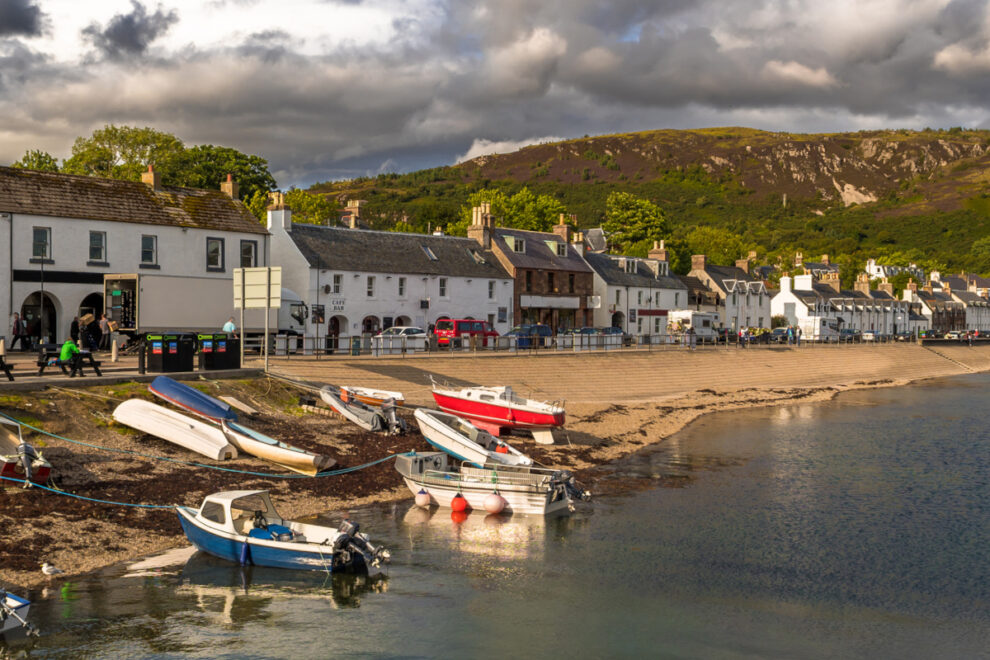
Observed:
{"x":48,"y":356}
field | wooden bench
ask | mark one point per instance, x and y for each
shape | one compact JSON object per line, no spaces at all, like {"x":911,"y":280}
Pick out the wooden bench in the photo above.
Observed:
{"x":4,"y":367}
{"x":48,"y":355}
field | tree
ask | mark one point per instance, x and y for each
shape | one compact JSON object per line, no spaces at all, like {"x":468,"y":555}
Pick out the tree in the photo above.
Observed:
{"x":257,"y":204}
{"x":524,"y":210}
{"x":35,"y":159}
{"x":124,"y":152}
{"x":721,"y":246}
{"x":634,"y":223}
{"x":309,"y":208}
{"x":980,"y":254}
{"x":206,"y":166}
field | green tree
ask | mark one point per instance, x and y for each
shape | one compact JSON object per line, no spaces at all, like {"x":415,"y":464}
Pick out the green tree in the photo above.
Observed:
{"x":309,"y":208}
{"x":523,"y":210}
{"x":124,"y":152}
{"x":35,"y":159}
{"x":980,"y":253}
{"x":206,"y":166}
{"x":634,"y":223}
{"x":721,"y":246}
{"x":257,"y":204}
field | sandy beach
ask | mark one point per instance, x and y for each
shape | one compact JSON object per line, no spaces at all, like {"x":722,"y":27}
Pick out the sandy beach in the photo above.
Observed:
{"x":617,"y":403}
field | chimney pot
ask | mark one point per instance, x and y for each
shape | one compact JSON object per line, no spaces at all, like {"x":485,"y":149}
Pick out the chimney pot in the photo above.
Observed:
{"x":743,"y":264}
{"x":152,"y":178}
{"x":699,"y":262}
{"x":230,"y":187}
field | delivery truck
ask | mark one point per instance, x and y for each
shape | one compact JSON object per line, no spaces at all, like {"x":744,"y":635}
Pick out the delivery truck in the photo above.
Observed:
{"x":143,"y":303}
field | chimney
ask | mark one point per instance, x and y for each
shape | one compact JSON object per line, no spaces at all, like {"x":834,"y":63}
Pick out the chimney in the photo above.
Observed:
{"x":743,"y":264}
{"x":885,"y":285}
{"x":354,"y":206}
{"x":699,"y":262}
{"x":785,"y":283}
{"x":152,"y":178}
{"x":862,"y":283}
{"x":279,"y":215}
{"x":825,"y":260}
{"x":480,"y":228}
{"x":577,"y":242}
{"x":230,"y":187}
{"x":563,"y":229}
{"x":798,"y":259}
{"x":804,"y":282}
{"x":912,"y":286}
{"x":946,"y":288}
{"x":832,"y":281}
{"x":927,"y":287}
{"x":752,"y":255}
{"x":659,"y":252}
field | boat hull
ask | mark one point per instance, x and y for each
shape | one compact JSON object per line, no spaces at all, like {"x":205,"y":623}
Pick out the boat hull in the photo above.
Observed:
{"x":269,"y":449}
{"x":176,"y":428}
{"x":12,"y":468}
{"x":373,"y":398}
{"x":439,"y":433}
{"x":191,"y":399}
{"x":498,"y":413}
{"x":515,"y":502}
{"x":18,"y":605}
{"x":366,"y":418}
{"x":273,"y":554}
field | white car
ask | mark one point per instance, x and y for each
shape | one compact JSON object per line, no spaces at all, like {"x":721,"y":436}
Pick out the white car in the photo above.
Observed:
{"x":403,"y":331}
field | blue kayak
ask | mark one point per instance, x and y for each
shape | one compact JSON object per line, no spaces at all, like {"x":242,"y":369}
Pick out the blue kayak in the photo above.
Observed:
{"x":191,"y":399}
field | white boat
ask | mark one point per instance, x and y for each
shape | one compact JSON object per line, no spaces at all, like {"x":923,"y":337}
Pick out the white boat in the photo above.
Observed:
{"x":525,"y":490}
{"x":465,"y":441}
{"x":14,"y":612}
{"x":371,"y":396}
{"x":197,"y":436}
{"x":384,"y":419}
{"x":258,"y":444}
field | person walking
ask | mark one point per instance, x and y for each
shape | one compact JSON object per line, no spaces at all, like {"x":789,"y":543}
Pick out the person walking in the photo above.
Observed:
{"x":692,"y":339}
{"x":797,"y":336}
{"x":105,"y":330}
{"x":74,"y":329}
{"x":742,"y":338}
{"x":230,"y":327}
{"x":18,"y":331}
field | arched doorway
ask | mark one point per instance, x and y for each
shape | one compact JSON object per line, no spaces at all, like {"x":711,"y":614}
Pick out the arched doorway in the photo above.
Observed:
{"x":619,"y":320}
{"x":403,"y":320}
{"x":41,"y":320}
{"x":92,"y":304}
{"x":371,"y":325}
{"x":336,"y":326}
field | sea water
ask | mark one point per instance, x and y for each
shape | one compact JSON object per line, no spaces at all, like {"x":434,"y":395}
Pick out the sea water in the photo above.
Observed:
{"x":858,"y":528}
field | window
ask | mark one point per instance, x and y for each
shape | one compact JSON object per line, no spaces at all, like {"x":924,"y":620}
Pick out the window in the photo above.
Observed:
{"x":570,"y":282}
{"x":337,"y":279}
{"x":677,"y":299}
{"x":491,"y":319}
{"x":618,"y":297}
{"x":550,"y":282}
{"x":516,"y":244}
{"x":656,"y":298}
{"x":213,"y":511}
{"x":98,"y":246}
{"x":149,"y":249}
{"x":249,"y":254}
{"x":371,"y":286}
{"x":429,"y":253}
{"x":41,"y":243}
{"x":529,"y":280}
{"x":491,"y":289}
{"x":561,"y":249}
{"x":476,"y":256}
{"x":402,"y":287}
{"x":656,"y":325}
{"x":214,"y":254}
{"x":443,"y":287}
{"x":639,"y":297}
{"x":630,"y":265}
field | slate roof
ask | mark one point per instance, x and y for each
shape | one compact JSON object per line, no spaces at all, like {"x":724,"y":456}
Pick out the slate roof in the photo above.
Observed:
{"x":970,"y":298}
{"x":698,"y":291}
{"x":595,"y":239}
{"x":607,"y":266}
{"x":91,"y":198}
{"x":721,"y":274}
{"x":537,"y":254}
{"x":954,"y":282}
{"x":340,"y":248}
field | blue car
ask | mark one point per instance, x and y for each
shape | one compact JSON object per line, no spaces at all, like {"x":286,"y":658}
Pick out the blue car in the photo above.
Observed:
{"x":531,"y":335}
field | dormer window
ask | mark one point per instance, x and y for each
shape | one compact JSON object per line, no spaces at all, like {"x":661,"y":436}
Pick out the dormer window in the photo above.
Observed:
{"x":517,"y":245}
{"x":476,"y":256}
{"x":630,"y":265}
{"x":429,"y":253}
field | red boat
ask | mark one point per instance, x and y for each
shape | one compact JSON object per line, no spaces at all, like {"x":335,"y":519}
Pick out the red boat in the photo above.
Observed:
{"x":495,"y":408}
{"x":12,"y":461}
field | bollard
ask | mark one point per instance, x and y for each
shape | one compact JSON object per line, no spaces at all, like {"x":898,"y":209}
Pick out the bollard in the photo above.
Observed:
{"x":113,"y":351}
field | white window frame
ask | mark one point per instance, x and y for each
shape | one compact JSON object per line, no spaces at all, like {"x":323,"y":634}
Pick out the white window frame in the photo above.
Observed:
{"x":402,"y":287}
{"x":46,"y":245}
{"x":442,"y":284}
{"x":103,"y":247}
{"x":338,"y":280}
{"x":154,"y":250}
{"x":491,"y":290}
{"x":371,"y":286}
{"x":221,"y":266}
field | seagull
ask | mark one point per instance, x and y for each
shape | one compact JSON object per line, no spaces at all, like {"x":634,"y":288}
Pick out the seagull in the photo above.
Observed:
{"x":49,"y":569}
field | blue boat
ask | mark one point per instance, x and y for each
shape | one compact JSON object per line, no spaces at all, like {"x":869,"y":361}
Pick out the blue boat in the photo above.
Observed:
{"x":242,"y":526}
{"x":191,"y":399}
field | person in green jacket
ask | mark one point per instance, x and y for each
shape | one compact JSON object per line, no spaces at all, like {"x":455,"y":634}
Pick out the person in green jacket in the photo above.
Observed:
{"x":70,"y":356}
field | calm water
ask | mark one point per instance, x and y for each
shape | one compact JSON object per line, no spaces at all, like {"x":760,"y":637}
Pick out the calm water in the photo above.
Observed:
{"x":858,"y":528}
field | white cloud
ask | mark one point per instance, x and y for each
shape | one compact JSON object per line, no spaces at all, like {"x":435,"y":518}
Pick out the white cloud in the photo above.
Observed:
{"x":795,"y":72}
{"x":483,"y":147}
{"x":959,"y":60}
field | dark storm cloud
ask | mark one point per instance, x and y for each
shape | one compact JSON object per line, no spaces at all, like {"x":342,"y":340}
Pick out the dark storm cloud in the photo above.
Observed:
{"x":130,"y":34}
{"x":20,"y":18}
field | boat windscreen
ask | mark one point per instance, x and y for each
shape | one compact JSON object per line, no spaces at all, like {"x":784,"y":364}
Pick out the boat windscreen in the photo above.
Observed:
{"x":250,"y":503}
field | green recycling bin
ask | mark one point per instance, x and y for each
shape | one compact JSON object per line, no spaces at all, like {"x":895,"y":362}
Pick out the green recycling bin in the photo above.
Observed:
{"x":170,"y":353}
{"x":208,"y":353}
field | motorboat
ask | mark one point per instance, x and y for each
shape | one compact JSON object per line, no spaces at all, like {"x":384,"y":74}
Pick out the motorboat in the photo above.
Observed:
{"x":383,"y":419}
{"x":465,"y":441}
{"x":161,"y":422}
{"x":281,"y":453}
{"x":526,"y":490}
{"x":498,"y":407}
{"x":242,"y":526}
{"x":18,"y":459}
{"x":14,"y":612}
{"x":191,"y":399}
{"x":372,"y":397}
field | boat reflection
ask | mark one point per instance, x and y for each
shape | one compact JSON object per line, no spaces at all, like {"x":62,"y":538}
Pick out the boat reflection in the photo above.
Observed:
{"x":238,"y":594}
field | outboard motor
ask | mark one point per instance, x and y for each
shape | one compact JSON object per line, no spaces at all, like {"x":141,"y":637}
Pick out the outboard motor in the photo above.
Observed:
{"x":352,"y":541}
{"x":396,"y":425}
{"x":28,"y":456}
{"x":573,"y":488}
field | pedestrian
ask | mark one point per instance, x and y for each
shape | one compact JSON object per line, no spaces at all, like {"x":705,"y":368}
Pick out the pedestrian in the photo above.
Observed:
{"x":74,"y":329}
{"x":797,"y":336}
{"x":692,"y":338}
{"x":230,"y":327}
{"x":105,"y":332}
{"x":18,"y":331}
{"x":742,"y":338}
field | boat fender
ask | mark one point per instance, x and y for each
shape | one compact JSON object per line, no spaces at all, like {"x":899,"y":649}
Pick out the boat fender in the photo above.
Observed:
{"x":501,"y":449}
{"x":458,"y":503}
{"x":423,"y":498}
{"x":245,"y":554}
{"x":494,"y":503}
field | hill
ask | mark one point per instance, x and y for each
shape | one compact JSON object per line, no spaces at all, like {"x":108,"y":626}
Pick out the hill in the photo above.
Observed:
{"x":919,"y":195}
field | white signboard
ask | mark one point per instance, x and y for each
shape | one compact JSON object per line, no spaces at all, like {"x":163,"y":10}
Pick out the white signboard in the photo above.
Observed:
{"x":257,"y":288}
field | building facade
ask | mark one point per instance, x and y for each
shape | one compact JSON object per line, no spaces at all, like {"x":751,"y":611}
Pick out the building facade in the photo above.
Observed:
{"x":745,"y":300}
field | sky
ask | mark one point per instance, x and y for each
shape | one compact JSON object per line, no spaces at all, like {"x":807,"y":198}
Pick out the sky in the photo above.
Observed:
{"x":334,"y":89}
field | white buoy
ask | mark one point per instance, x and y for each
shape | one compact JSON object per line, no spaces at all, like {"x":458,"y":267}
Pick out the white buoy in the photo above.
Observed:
{"x":422,"y":499}
{"x":113,"y":350}
{"x":494,"y":503}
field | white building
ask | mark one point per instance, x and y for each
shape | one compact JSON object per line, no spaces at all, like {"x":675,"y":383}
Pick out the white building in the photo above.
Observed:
{"x":745,"y":300}
{"x":368,"y":281}
{"x":635,"y":294}
{"x":879,"y":271}
{"x":60,"y":234}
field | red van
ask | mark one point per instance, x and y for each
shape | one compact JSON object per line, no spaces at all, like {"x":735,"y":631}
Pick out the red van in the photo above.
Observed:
{"x":445,"y":329}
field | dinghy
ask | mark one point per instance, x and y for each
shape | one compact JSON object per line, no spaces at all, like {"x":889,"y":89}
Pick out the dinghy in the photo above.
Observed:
{"x":19,"y":460}
{"x":191,"y":399}
{"x":372,"y":397}
{"x":384,"y":419}
{"x":258,"y":444}
{"x":242,"y":526}
{"x":175,"y":427}
{"x":495,"y":408}
{"x":524,"y":490}
{"x":465,"y":441}
{"x":14,"y":612}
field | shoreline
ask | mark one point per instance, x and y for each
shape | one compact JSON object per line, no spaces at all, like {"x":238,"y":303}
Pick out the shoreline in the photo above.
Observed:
{"x":82,"y":538}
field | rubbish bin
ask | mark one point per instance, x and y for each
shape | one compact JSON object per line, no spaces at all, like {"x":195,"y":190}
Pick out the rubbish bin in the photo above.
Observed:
{"x":227,"y":352}
{"x":355,"y":346}
{"x":170,"y":353}
{"x":207,"y":352}
{"x":155,"y":352}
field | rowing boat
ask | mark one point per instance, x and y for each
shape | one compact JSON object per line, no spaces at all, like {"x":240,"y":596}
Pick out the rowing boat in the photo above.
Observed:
{"x":197,"y":436}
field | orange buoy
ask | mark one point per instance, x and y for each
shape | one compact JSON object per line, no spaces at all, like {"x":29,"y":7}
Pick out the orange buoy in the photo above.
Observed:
{"x":423,"y":498}
{"x":501,"y":449}
{"x":458,"y":503}
{"x":458,"y":516}
{"x":494,"y":503}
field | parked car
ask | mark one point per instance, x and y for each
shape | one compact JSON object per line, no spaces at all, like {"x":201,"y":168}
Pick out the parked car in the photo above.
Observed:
{"x":727,"y":336}
{"x":870,"y":335}
{"x":582,"y":331}
{"x":447,"y":329}
{"x":955,"y":334}
{"x":849,"y":334}
{"x":904,"y":336}
{"x":531,"y":335}
{"x":778,"y":335}
{"x":403,"y":331}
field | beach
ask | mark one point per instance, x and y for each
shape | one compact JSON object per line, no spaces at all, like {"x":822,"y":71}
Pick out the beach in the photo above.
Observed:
{"x":617,"y":403}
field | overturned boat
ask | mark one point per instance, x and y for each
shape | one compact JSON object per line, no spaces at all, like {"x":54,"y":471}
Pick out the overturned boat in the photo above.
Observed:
{"x":191,"y":399}
{"x":384,"y":419}
{"x":280,"y":453}
{"x":525,"y":490}
{"x":18,"y":459}
{"x":465,"y":441}
{"x":242,"y":526}
{"x":179,"y":429}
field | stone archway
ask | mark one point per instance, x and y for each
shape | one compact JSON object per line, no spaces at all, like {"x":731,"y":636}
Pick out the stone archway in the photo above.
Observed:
{"x":42,"y":320}
{"x":619,"y":321}
{"x":371,"y":325}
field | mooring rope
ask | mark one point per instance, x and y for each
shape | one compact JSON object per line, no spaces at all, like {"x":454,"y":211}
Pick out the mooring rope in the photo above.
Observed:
{"x":269,"y":475}
{"x":89,"y":499}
